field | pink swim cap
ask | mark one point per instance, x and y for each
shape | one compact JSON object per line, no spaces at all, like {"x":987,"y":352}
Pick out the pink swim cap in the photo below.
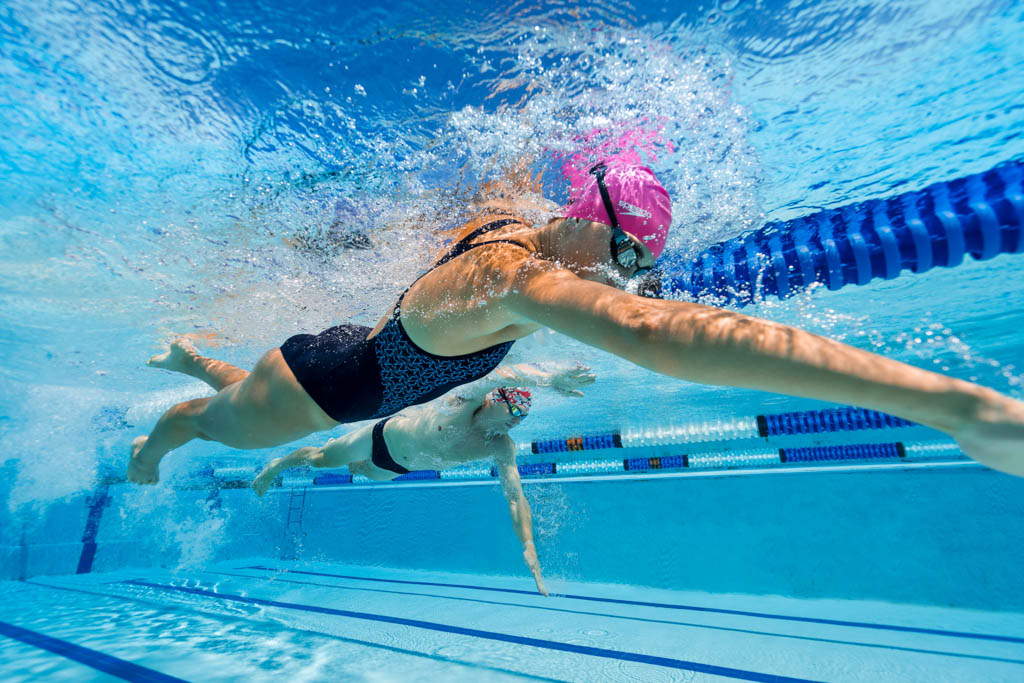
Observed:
{"x":641,"y":203}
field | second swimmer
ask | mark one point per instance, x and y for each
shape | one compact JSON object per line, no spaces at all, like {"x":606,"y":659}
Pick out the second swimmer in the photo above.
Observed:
{"x":470,"y":423}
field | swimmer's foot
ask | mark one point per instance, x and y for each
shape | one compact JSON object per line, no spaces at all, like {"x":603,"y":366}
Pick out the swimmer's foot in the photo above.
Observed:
{"x":139,"y":470}
{"x":995,"y":436}
{"x":265,"y":478}
{"x":179,"y":357}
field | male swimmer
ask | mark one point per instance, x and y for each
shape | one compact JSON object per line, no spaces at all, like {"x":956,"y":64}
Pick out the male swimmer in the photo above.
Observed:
{"x":470,"y":423}
{"x":505,"y":278}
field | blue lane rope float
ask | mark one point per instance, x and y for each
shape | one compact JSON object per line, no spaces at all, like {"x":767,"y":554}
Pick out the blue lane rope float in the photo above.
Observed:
{"x":834,"y":420}
{"x":869,"y":451}
{"x":981,"y":215}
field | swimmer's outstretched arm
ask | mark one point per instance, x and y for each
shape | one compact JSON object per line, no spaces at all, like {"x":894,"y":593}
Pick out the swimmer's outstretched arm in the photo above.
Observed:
{"x":519,"y":508}
{"x":715,"y":346}
{"x":565,"y":378}
{"x":335,"y":453}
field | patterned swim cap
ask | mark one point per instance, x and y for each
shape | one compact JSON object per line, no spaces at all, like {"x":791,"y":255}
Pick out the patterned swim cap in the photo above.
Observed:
{"x":513,"y":396}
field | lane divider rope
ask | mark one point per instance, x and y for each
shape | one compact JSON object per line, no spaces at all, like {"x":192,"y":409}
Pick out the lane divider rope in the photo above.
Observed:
{"x":844,"y":419}
{"x":980,"y":215}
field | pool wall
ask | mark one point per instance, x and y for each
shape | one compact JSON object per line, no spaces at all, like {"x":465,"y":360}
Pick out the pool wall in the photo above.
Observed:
{"x":950,"y":534}
{"x":149,"y":528}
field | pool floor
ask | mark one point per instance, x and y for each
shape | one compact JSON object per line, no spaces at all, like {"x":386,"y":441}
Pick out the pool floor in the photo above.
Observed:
{"x":268,"y":619}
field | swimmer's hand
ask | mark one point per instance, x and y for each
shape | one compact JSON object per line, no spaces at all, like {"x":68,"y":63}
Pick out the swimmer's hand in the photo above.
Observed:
{"x":266,"y":477}
{"x":530,"y":556}
{"x":568,"y":381}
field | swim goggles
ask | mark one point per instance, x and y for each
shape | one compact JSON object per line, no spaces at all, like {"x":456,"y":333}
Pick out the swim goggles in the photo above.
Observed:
{"x":516,"y":400}
{"x":625,"y":251}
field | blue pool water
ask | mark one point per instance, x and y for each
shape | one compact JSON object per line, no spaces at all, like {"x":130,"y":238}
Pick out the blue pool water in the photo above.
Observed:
{"x":245,"y":171}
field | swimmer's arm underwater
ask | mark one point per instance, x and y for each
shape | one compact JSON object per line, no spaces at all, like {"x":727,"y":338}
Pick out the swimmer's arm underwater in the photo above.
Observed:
{"x":565,"y":378}
{"x":519,"y":508}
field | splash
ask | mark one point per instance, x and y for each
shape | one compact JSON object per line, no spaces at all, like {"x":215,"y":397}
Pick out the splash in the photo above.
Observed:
{"x":636,"y":145}
{"x":588,"y":91}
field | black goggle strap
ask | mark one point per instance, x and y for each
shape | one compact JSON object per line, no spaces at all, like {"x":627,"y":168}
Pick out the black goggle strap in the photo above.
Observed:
{"x":620,"y":241}
{"x":609,"y":208}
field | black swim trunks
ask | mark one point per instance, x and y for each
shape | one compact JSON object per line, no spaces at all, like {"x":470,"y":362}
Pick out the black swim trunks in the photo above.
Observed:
{"x":381,"y":456}
{"x":353,"y":378}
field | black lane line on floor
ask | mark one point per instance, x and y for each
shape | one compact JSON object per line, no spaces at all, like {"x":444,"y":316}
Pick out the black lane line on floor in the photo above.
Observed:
{"x":257,"y":626}
{"x":100,"y":661}
{"x":96,"y":504}
{"x":605,"y":615}
{"x":664,"y":605}
{"x":620,"y":655}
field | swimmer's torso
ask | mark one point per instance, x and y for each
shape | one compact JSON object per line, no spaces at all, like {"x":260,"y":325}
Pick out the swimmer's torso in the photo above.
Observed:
{"x":433,"y":438}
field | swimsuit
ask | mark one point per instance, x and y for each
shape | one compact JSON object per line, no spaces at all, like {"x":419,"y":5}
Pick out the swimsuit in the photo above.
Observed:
{"x":380,"y":455}
{"x":353,"y":378}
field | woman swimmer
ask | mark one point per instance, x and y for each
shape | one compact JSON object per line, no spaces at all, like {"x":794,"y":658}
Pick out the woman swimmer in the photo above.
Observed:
{"x":504,"y":279}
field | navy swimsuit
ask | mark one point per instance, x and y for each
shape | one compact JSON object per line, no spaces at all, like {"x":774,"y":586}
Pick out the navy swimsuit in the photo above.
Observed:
{"x":353,"y":378}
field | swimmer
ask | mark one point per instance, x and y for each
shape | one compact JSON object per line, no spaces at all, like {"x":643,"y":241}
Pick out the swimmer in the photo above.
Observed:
{"x":505,"y":278}
{"x":469,"y":423}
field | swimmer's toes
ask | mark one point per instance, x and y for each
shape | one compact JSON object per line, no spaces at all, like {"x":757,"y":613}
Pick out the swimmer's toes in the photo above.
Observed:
{"x":176,"y":357}
{"x":158,"y":360}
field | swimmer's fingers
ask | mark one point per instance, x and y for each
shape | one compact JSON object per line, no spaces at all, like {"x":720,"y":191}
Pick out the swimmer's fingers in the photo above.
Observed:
{"x":585,"y":377}
{"x":565,"y":388}
{"x":582,"y":369}
{"x":568,"y":382}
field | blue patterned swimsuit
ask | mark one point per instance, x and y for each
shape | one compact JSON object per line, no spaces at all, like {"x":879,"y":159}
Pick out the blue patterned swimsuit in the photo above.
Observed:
{"x":354,"y":378}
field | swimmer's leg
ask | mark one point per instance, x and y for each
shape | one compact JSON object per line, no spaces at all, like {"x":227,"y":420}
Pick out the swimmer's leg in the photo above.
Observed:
{"x":175,"y":428}
{"x":339,"y":452}
{"x":182,"y":357}
{"x":267,"y":408}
